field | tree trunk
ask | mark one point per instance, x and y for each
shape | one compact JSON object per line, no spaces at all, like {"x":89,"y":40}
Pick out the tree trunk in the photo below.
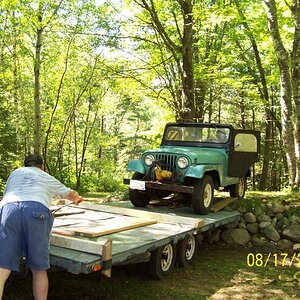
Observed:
{"x":283,"y":60}
{"x":265,"y":178}
{"x":37,"y":99}
{"x":295,"y":62}
{"x":182,"y":55}
{"x":16,"y":87}
{"x":188,"y":101}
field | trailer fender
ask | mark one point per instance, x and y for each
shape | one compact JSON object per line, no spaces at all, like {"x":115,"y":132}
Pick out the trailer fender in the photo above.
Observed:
{"x":135,"y":165}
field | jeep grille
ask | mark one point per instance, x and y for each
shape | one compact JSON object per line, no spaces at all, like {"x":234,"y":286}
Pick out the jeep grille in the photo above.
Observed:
{"x":168,"y":161}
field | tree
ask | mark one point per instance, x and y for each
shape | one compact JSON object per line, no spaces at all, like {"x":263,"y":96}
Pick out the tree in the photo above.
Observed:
{"x":289,"y":66}
{"x":179,"y":44}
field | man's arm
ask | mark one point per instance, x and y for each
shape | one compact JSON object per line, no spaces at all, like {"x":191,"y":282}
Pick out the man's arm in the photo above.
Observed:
{"x":74,"y":197}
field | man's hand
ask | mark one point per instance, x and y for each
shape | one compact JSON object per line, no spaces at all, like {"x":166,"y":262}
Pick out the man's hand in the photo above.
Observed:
{"x":74,"y":197}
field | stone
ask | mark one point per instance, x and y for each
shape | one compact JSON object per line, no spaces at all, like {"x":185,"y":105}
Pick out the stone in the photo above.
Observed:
{"x":279,"y":216}
{"x":274,"y":221}
{"x":253,"y":228}
{"x":249,"y":217}
{"x":278,"y":208}
{"x":286,"y":221}
{"x":270,"y":210}
{"x":258,"y":211}
{"x":242,"y":209}
{"x":268,"y":247}
{"x":296,"y":248}
{"x":285,"y":245}
{"x":262,"y":225}
{"x":226,"y":236}
{"x":293,"y":218}
{"x":242,"y":225}
{"x":292,"y":232}
{"x":264,"y":218}
{"x":271,"y":233}
{"x":240,"y":236}
{"x":258,"y":240}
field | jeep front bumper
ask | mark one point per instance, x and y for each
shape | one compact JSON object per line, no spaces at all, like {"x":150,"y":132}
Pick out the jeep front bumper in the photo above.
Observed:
{"x":155,"y":185}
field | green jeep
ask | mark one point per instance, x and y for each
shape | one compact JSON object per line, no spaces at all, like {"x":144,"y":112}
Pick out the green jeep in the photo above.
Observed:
{"x":193,"y":160}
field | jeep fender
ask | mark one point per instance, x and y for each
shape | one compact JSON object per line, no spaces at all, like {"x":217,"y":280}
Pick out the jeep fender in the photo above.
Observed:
{"x":135,"y":165}
{"x":198,"y":171}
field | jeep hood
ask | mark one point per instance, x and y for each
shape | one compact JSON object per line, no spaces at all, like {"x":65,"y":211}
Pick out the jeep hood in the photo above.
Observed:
{"x":196,"y":154}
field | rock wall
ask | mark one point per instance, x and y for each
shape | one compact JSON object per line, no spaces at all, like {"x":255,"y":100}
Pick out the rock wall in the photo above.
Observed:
{"x":266,"y":227}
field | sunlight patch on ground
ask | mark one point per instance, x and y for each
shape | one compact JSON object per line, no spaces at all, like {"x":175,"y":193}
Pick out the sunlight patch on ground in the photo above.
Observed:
{"x":247,"y":285}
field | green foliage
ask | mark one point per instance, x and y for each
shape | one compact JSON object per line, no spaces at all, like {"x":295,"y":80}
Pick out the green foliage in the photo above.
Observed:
{"x":109,"y":84}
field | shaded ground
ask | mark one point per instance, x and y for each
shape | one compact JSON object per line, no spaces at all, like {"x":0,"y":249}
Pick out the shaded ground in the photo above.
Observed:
{"x":216,"y":273}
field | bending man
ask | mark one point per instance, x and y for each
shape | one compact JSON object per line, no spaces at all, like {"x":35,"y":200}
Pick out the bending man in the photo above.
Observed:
{"x":26,"y":222}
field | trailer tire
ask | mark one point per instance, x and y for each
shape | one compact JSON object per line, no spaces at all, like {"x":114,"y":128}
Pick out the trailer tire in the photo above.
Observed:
{"x":162,"y":261}
{"x":238,"y":190}
{"x":203,"y":196}
{"x":186,"y":250}
{"x":139,"y":198}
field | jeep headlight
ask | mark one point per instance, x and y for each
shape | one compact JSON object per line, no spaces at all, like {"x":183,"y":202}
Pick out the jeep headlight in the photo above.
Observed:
{"x":149,"y":159}
{"x":182,"y":162}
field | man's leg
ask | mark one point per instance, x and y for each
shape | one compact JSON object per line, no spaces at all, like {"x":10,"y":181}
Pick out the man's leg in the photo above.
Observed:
{"x":39,"y":284}
{"x":4,"y":274}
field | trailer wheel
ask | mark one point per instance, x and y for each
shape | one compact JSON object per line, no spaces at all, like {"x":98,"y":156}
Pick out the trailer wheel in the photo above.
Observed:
{"x":186,"y":250}
{"x":162,"y":261}
{"x":203,"y":196}
{"x":238,"y":190}
{"x":139,"y":198}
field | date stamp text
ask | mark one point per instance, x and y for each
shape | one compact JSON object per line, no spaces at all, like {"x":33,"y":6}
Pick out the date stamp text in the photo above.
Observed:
{"x":274,"y":259}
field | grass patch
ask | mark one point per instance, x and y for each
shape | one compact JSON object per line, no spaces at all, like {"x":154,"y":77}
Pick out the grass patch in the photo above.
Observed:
{"x":217,"y":273}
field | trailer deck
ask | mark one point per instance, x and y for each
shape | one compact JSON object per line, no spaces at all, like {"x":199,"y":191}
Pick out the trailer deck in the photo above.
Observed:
{"x":78,"y":247}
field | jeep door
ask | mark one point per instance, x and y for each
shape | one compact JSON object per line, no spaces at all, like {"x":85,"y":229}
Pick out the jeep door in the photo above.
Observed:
{"x":244,"y":152}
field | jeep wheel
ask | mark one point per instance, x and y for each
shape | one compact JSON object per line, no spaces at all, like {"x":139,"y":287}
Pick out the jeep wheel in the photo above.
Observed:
{"x":238,"y":190}
{"x":162,"y":261}
{"x":139,"y":198}
{"x":202,"y":198}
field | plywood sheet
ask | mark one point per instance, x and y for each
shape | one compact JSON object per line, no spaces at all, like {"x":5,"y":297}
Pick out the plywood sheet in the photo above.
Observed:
{"x":195,"y":222}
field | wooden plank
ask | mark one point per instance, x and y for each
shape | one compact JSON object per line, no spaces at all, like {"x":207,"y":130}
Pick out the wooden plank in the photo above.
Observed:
{"x":160,"y":217}
{"x":63,"y":211}
{"x":113,"y":226}
{"x":106,"y":256}
{"x":221,"y":204}
{"x":77,"y":244}
{"x":62,"y":231}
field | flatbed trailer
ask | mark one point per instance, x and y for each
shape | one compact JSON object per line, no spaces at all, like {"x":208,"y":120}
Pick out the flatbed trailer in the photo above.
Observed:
{"x":143,"y":235}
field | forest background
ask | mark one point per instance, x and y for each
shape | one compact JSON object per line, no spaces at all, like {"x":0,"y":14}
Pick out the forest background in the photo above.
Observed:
{"x":90,"y":84}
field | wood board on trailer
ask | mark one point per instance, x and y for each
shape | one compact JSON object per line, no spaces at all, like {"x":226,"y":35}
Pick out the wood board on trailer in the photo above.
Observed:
{"x":94,"y":224}
{"x":192,"y":220}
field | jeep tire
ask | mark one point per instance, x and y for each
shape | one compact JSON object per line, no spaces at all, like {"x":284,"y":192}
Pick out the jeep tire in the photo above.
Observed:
{"x":203,"y":196}
{"x":238,"y":190}
{"x":139,"y":198}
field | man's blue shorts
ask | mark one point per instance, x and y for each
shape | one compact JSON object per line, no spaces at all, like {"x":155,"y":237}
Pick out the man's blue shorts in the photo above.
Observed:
{"x":25,"y":230}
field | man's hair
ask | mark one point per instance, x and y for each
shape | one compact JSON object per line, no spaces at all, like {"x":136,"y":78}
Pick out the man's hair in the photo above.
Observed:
{"x":33,"y":160}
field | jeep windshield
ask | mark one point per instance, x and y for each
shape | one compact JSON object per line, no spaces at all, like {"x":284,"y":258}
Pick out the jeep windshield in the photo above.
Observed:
{"x":209,"y":134}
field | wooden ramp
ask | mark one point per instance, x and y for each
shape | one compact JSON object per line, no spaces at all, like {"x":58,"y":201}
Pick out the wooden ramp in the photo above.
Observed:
{"x":221,"y":204}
